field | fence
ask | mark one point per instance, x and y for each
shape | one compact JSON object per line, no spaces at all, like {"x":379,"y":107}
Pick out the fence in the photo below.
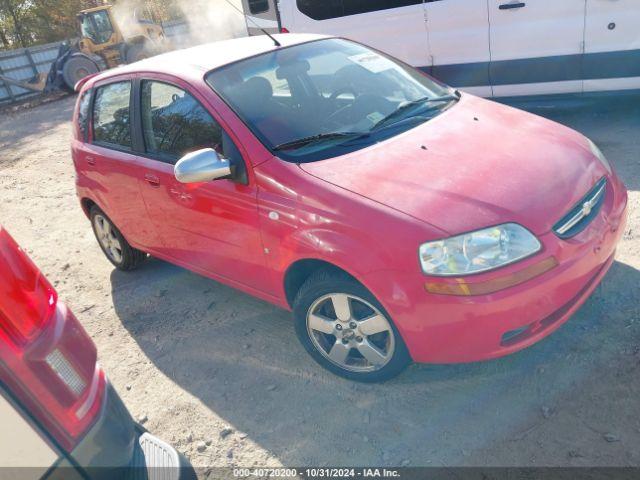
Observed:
{"x":25,"y":63}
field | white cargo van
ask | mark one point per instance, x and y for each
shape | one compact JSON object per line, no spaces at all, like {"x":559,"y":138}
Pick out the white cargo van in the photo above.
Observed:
{"x":496,"y":48}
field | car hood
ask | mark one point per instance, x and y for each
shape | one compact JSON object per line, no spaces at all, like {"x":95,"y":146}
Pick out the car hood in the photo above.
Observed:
{"x":476,"y":165}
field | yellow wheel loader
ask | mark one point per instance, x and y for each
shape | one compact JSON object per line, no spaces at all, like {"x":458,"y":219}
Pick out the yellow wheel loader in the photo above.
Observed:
{"x":106,"y":41}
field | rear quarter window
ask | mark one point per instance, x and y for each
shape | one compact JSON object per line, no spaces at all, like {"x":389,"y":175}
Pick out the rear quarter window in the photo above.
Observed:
{"x":83,"y":114}
{"x":112,"y":115}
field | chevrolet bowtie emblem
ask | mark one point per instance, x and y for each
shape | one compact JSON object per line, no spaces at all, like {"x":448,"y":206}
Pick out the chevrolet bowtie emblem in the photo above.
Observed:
{"x":586,"y":208}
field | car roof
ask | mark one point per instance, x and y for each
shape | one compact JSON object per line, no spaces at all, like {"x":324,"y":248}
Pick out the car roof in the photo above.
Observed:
{"x":195,"y":61}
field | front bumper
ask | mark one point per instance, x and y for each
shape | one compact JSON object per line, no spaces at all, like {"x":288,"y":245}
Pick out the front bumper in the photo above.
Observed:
{"x":456,"y":329}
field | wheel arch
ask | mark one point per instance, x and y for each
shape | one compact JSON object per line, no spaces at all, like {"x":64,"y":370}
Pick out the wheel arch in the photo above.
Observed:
{"x":87,"y":204}
{"x":300,"y":270}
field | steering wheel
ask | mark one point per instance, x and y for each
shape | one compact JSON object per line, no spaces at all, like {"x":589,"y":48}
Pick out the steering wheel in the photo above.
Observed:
{"x":332,"y":119}
{"x":340,"y":90}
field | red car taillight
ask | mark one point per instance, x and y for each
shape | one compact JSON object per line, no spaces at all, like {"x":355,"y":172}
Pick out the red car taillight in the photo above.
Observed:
{"x":284,"y":30}
{"x":28,"y":300}
{"x":46,"y":358}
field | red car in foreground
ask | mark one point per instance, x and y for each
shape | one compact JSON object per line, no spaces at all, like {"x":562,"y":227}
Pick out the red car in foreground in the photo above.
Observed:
{"x":398,"y":218}
{"x":60,"y":416}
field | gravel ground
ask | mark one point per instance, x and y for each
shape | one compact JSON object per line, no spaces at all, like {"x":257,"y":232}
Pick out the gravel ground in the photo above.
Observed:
{"x":221,"y":375}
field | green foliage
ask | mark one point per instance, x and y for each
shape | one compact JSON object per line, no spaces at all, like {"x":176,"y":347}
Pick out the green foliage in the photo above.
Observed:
{"x":15,"y":20}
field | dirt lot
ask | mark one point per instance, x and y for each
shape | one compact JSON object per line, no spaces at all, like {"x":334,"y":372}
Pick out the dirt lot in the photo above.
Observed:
{"x":194,"y":357}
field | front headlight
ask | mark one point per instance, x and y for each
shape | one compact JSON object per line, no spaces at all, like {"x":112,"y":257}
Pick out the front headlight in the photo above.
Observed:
{"x":478,"y":251}
{"x":598,"y":153}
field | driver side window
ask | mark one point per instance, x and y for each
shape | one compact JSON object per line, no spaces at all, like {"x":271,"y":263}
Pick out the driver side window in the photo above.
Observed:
{"x":174,"y":123}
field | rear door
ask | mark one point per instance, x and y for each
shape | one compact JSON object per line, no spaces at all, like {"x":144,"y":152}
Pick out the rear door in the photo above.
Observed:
{"x":536,"y":46}
{"x":393,"y":26}
{"x":459,"y":43}
{"x":612,"y":45}
{"x":110,"y":165}
{"x":210,"y":227}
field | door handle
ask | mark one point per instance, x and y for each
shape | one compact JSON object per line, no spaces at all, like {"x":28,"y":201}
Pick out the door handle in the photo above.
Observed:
{"x":91,"y":160}
{"x":152,"y":180}
{"x":511,"y":6}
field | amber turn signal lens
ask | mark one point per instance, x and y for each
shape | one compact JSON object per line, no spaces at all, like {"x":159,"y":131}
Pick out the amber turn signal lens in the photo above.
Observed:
{"x":460,"y":286}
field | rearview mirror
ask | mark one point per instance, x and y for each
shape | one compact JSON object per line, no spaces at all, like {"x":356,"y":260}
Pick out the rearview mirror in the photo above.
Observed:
{"x":201,"y":166}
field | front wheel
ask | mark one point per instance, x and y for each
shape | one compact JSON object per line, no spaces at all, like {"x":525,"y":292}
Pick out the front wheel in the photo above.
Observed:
{"x":346,"y":330}
{"x":76,"y":68}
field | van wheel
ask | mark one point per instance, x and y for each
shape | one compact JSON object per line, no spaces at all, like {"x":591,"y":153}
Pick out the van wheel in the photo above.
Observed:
{"x":346,"y":330}
{"x":122,"y":255}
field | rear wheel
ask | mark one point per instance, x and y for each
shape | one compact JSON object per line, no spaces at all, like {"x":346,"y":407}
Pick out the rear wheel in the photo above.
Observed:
{"x":346,"y":330}
{"x":76,"y":68}
{"x":122,"y":255}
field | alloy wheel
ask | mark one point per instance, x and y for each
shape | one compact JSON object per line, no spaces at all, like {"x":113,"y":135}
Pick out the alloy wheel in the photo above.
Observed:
{"x":350,"y":332}
{"x":107,"y":238}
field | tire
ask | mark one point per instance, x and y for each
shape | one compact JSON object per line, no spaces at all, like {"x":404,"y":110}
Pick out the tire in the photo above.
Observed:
{"x":117,"y":250}
{"x":76,"y":68}
{"x":326,"y":335}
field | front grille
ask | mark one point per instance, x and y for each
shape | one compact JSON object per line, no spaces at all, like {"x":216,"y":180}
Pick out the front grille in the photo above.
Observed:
{"x":583,"y":212}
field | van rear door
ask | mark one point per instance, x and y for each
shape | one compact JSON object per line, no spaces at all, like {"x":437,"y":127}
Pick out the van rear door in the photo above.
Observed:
{"x":261,"y":14}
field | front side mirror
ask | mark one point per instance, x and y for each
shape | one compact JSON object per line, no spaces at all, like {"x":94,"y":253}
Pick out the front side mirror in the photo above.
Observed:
{"x":201,"y":166}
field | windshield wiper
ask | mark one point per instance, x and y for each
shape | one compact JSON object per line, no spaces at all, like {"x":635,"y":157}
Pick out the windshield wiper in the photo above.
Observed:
{"x":301,"y":142}
{"x":407,"y":106}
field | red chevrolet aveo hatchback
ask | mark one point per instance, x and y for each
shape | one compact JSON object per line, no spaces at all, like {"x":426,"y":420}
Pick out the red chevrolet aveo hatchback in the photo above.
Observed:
{"x":398,"y":218}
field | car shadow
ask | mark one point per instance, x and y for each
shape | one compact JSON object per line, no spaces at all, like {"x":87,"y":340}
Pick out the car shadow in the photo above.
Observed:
{"x":241,"y":358}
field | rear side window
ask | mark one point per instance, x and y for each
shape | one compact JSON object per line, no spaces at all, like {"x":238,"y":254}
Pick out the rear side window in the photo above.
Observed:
{"x":258,"y":6}
{"x":326,"y":9}
{"x":83,"y":113}
{"x":111,"y":115}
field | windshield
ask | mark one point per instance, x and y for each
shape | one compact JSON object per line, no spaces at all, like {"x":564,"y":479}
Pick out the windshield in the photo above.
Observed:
{"x":325,"y":98}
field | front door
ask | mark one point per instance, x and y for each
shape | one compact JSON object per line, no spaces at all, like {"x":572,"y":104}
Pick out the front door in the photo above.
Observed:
{"x":459,"y":43}
{"x":536,"y":46}
{"x":209,"y":227}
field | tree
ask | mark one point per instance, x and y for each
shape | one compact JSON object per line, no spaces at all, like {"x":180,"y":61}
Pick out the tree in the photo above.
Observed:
{"x":55,"y":19}
{"x":15,"y":16}
{"x":3,"y":35}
